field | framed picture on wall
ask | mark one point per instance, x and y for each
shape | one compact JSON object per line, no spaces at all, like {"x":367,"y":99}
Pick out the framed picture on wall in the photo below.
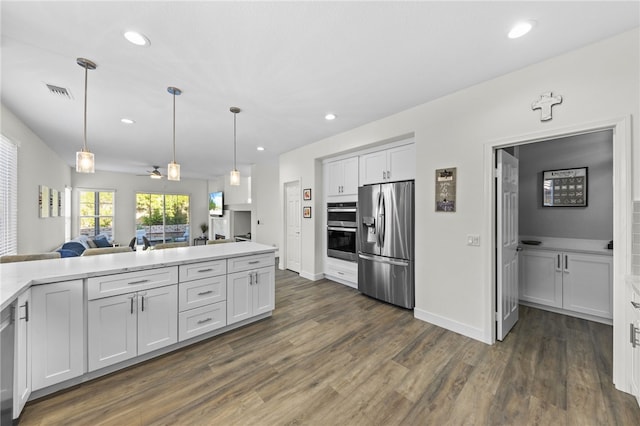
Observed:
{"x":565,"y":188}
{"x":43,"y":201}
{"x":306,"y":212}
{"x":306,"y":194}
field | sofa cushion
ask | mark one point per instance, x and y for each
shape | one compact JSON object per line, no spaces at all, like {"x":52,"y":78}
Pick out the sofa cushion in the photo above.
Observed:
{"x":101,"y":242}
{"x":74,"y":246}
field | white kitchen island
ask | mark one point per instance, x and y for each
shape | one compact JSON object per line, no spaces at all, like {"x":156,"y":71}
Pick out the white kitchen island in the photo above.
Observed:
{"x":82,"y":317}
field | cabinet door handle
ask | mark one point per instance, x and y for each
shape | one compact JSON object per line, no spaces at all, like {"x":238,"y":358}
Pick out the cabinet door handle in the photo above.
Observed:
{"x":635,"y":304}
{"x":205,"y":270}
{"x":384,"y":174}
{"x":138,"y":282}
{"x":558,"y":267}
{"x":633,"y":331}
{"x":205,"y":292}
{"x":388,"y":174}
{"x":205,"y":320}
{"x":131,"y":298}
{"x":26,"y":311}
{"x":256,"y":277}
{"x":253,"y":262}
{"x":250,"y":279}
{"x":566,"y":263}
{"x":142,"y":296}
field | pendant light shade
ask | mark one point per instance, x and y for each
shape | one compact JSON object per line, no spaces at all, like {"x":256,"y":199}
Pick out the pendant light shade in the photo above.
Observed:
{"x":234,"y":177}
{"x":173,"y":168}
{"x":85,"y":160}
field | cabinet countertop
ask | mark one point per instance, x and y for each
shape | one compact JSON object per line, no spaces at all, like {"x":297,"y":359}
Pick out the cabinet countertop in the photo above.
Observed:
{"x":574,"y":245}
{"x":17,"y":277}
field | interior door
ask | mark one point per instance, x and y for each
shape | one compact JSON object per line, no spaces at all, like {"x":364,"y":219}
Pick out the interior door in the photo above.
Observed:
{"x":292,"y":220}
{"x":507,"y":243}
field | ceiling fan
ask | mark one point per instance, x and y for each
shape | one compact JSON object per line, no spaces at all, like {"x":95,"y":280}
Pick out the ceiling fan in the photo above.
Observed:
{"x":154,"y":174}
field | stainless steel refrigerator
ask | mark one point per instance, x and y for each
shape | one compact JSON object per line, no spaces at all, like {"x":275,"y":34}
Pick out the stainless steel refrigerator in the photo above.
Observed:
{"x":386,"y":242}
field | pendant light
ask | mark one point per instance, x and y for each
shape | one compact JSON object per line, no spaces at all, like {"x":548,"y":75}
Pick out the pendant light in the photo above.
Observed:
{"x":85,"y":160}
{"x":173,"y":169}
{"x":234,"y":178}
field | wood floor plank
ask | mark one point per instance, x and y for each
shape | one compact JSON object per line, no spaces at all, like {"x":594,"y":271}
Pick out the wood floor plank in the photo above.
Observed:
{"x":331,"y":356}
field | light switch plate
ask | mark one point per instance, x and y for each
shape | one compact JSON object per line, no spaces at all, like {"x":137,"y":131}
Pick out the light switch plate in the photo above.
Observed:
{"x":473,"y":240}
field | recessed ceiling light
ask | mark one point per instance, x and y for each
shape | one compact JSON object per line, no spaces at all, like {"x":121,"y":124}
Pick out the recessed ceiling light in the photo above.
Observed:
{"x":330,"y":116}
{"x":127,"y":121}
{"x":260,"y":148}
{"x":137,"y":38}
{"x":520,"y":29}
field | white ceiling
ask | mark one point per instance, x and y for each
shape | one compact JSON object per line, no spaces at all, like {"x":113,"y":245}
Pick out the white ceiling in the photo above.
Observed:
{"x":285,"y":64}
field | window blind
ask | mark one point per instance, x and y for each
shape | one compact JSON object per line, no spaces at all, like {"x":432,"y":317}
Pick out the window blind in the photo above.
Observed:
{"x":8,"y":196}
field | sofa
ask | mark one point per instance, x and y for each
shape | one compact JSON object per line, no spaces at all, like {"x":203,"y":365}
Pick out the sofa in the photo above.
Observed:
{"x":78,"y":245}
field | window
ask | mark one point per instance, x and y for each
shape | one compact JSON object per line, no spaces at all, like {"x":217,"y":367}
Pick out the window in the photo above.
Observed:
{"x":96,"y":213}
{"x":8,"y":196}
{"x":162,"y":217}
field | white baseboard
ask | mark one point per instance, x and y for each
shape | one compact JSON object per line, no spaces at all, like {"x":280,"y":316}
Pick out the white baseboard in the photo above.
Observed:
{"x":456,"y":327}
{"x":312,"y":277}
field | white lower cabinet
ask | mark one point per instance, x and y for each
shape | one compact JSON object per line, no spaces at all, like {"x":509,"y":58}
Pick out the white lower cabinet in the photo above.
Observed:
{"x":58,"y":333}
{"x":124,"y":326}
{"x":571,"y":281}
{"x":634,"y":337}
{"x":22,"y":369}
{"x":250,"y":293}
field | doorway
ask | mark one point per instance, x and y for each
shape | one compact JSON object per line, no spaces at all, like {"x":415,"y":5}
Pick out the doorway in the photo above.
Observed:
{"x":621,"y":191}
{"x":292,"y":213}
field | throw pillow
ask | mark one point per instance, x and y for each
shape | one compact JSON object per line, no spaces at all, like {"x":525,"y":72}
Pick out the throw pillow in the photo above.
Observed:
{"x":73,"y":246}
{"x":101,"y":242}
{"x":92,"y":244}
{"x":67,"y":253}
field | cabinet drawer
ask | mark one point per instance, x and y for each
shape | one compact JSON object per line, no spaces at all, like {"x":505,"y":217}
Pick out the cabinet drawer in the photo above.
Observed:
{"x":246,"y":263}
{"x":112,"y":285}
{"x":199,"y":270}
{"x":201,"y":320}
{"x":349,"y":275}
{"x":194,"y":294}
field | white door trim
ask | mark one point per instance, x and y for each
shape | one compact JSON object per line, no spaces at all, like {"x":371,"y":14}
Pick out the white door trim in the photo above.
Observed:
{"x":621,"y":127}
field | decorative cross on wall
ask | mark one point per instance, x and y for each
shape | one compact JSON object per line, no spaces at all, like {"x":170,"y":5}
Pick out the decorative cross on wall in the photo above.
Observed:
{"x":545,"y":103}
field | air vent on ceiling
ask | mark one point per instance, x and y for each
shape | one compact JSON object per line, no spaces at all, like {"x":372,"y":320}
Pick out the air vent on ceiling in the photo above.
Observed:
{"x":59,"y":91}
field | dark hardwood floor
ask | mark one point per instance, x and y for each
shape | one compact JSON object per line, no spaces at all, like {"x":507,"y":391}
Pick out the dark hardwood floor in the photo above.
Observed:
{"x":330,"y":356}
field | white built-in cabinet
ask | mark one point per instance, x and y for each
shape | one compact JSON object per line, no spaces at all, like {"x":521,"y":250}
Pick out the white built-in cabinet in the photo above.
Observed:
{"x":22,"y":369}
{"x":389,"y":165}
{"x":342,"y":177}
{"x":141,"y":317}
{"x":57,"y":333}
{"x":574,"y":282}
{"x":250,"y":286}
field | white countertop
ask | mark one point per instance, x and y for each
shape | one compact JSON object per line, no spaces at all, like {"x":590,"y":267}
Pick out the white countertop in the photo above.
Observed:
{"x":577,"y":245}
{"x":18,"y":276}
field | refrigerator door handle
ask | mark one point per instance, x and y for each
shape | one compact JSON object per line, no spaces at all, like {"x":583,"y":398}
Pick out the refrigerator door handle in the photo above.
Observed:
{"x":394,"y":262}
{"x":378,"y":240}
{"x":382,"y":222}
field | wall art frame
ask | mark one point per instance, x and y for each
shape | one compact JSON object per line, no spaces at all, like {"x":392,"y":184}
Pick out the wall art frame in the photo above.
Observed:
{"x":565,"y":187}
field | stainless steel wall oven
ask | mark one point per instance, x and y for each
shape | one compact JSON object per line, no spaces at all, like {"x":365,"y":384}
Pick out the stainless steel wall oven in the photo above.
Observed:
{"x":342,"y":227}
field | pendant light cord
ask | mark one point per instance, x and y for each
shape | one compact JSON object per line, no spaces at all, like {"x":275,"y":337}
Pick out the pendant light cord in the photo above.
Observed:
{"x":234,"y":141}
{"x":174,"y":126}
{"x":86,"y":72}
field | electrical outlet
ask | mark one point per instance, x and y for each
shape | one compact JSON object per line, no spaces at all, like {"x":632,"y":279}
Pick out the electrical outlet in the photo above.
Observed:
{"x":473,"y":240}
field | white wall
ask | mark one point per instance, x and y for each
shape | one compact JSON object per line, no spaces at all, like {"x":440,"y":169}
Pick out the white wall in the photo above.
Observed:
{"x":126,"y":186}
{"x":595,"y":221}
{"x":265,"y":220}
{"x":37,"y":165}
{"x":600,"y":81}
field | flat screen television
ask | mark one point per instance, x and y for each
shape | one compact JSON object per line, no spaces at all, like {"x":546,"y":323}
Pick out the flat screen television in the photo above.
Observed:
{"x":216,"y":201}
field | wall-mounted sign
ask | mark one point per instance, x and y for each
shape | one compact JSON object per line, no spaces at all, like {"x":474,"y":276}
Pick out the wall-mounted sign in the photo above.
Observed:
{"x":564,"y":188}
{"x":446,"y":190}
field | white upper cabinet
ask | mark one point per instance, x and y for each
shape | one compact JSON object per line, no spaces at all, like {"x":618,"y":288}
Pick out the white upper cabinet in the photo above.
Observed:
{"x":342,"y":177}
{"x":390,"y":165}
